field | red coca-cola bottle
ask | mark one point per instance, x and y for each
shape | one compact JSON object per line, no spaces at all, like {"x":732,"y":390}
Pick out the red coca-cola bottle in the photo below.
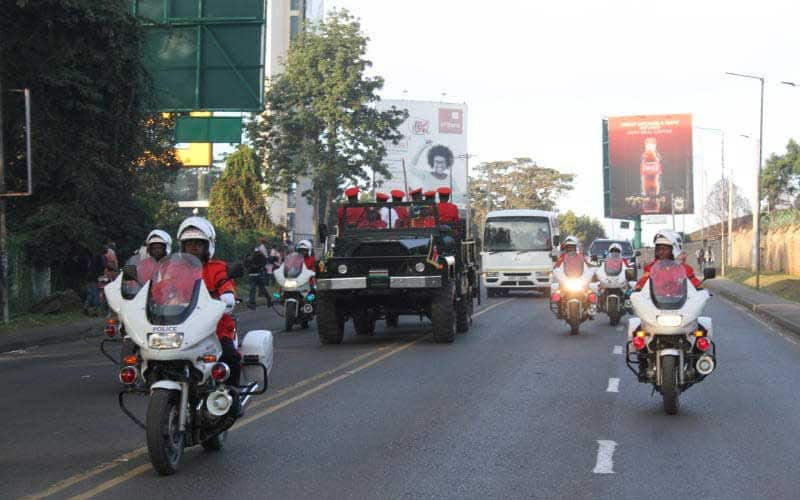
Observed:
{"x":651,"y":168}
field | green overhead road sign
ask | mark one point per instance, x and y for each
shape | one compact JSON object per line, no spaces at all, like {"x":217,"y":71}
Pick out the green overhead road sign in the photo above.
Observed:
{"x":210,"y":129}
{"x":205,"y":54}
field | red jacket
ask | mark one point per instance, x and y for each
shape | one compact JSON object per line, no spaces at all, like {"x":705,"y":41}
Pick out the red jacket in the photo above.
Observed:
{"x":213,"y":272}
{"x":646,"y":275}
{"x":448,"y":212}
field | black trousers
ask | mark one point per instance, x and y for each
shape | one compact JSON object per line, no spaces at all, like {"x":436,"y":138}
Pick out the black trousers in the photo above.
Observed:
{"x":230,"y":356}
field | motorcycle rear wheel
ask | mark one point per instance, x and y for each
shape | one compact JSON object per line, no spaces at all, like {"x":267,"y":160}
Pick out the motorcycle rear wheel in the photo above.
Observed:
{"x":164,"y":440}
{"x":670,"y":390}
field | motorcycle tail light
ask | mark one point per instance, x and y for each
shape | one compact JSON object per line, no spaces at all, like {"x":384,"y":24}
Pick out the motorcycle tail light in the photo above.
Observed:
{"x":111,"y":327}
{"x":592,"y":298}
{"x":638,"y":343}
{"x":128,"y":375}
{"x":703,"y":344}
{"x":556,"y":297}
{"x":220,"y":372}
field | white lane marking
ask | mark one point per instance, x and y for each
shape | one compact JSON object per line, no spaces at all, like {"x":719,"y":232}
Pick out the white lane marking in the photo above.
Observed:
{"x":619,"y":328}
{"x":605,"y":455}
{"x":488,"y":308}
{"x":617,"y":349}
{"x":613,"y":385}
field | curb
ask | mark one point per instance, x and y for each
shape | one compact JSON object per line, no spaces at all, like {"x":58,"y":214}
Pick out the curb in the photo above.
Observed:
{"x":52,"y":334}
{"x":758,"y":311}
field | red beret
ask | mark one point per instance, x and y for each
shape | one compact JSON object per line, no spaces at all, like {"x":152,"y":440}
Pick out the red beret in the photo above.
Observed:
{"x":351,"y":192}
{"x":398,"y":194}
{"x":430,"y":194}
{"x":381,"y":197}
{"x":416,"y":191}
{"x":445,"y":191}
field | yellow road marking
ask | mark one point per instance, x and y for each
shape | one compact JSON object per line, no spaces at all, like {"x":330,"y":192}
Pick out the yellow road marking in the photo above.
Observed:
{"x":66,"y":483}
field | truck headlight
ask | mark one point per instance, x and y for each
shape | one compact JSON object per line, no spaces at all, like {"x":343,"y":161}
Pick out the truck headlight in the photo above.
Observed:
{"x":165,"y":340}
{"x":419,"y":267}
{"x":670,"y":320}
{"x":342,"y":269}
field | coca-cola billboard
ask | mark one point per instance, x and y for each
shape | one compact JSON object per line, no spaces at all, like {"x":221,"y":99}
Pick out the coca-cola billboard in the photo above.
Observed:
{"x":650,"y":165}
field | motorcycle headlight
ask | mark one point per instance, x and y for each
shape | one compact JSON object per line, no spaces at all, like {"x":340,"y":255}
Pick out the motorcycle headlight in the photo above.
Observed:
{"x":290,"y":284}
{"x":165,"y":340}
{"x":670,"y":320}
{"x":574,"y":285}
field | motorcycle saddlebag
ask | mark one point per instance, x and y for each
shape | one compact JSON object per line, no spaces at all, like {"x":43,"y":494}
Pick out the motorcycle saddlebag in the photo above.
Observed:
{"x":256,"y":349}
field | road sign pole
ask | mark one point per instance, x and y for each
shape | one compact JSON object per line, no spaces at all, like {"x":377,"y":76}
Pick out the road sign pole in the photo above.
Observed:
{"x":637,"y":231}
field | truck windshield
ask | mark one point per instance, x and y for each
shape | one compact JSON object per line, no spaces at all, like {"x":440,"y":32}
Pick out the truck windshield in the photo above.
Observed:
{"x":510,"y":234}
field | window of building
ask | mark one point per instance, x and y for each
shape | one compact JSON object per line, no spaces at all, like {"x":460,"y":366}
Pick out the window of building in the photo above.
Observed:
{"x":291,"y":196}
{"x":294,"y":27}
{"x":290,"y":221}
{"x":294,"y":5}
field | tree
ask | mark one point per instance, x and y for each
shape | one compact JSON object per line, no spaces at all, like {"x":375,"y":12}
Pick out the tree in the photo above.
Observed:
{"x":517,"y":183}
{"x":717,"y":202}
{"x":585,"y":228}
{"x":236,"y":202}
{"x":320,"y":120}
{"x":780,"y":179}
{"x":100,"y":161}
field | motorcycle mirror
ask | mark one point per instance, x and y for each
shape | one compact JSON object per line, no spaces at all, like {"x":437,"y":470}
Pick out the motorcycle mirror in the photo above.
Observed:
{"x":630,"y":274}
{"x":709,"y":273}
{"x":322,"y":231}
{"x":235,"y":271}
{"x":129,"y":273}
{"x":553,"y":258}
{"x":556,"y":240}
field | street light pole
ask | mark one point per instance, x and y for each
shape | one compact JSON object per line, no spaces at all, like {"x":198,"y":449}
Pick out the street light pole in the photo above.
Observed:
{"x":723,"y":248}
{"x":757,"y":211}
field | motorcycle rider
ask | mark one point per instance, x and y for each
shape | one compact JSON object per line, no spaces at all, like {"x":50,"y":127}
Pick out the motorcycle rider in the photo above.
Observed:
{"x":305,"y":249}
{"x":197,"y":237}
{"x":615,"y":252}
{"x":570,"y":245}
{"x":669,"y":245}
{"x":159,"y":244}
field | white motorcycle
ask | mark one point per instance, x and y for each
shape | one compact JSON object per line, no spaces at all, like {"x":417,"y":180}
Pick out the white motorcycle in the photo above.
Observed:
{"x":669,"y":343}
{"x":571,"y":298}
{"x":295,"y":293}
{"x":611,"y":287}
{"x":173,"y":321}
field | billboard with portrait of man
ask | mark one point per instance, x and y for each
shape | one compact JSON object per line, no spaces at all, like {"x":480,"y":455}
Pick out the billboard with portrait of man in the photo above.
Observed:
{"x":649,"y":165}
{"x":432,"y":152}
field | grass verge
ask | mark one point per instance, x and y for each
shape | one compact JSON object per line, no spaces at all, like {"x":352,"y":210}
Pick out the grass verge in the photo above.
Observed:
{"x":786,"y":286}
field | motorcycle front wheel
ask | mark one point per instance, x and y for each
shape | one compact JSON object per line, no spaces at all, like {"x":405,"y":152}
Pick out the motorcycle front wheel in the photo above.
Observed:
{"x":670,"y":391}
{"x":574,"y":326}
{"x":215,"y":443}
{"x":289,"y":318}
{"x":164,"y":439}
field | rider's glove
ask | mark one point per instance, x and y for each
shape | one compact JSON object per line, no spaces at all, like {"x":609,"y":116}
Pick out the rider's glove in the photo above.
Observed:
{"x":229,"y":300}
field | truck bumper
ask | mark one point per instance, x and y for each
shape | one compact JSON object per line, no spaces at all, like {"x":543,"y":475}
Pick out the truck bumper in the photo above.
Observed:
{"x":397,"y":282}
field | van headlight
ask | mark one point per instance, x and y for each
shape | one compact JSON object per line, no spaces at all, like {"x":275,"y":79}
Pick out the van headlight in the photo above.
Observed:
{"x":165,"y":340}
{"x":670,"y":320}
{"x":492,"y":275}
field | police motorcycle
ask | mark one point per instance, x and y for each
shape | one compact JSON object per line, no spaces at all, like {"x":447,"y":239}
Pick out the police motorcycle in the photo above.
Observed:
{"x":669,"y":343}
{"x":571,"y":297}
{"x":611,"y":287}
{"x":173,"y":321}
{"x":295,"y":291}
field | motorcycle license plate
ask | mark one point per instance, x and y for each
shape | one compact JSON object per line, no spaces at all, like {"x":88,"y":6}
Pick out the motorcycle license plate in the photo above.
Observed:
{"x":378,"y":278}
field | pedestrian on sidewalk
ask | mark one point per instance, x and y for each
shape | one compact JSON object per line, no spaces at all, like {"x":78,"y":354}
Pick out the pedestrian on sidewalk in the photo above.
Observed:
{"x":700,"y":255}
{"x":256,"y":264}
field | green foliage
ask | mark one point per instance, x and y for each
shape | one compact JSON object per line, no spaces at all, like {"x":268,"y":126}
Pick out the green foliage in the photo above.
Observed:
{"x":782,"y":218}
{"x":320,"y":120}
{"x":586,"y":228}
{"x":236,"y":202}
{"x":518,"y":183}
{"x":100,"y":162}
{"x":781,"y":176}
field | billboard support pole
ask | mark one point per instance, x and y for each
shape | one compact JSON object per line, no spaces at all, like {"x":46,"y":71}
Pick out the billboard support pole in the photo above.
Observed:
{"x":637,"y":231}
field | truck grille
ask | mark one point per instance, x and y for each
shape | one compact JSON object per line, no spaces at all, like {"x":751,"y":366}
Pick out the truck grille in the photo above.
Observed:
{"x":381,"y":249}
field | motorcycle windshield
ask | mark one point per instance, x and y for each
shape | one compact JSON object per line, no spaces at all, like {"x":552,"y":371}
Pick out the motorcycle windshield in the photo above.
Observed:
{"x":668,"y":284}
{"x":145,"y":270}
{"x":293,"y":265}
{"x":573,"y":265}
{"x":174,"y":289}
{"x":613,"y":266}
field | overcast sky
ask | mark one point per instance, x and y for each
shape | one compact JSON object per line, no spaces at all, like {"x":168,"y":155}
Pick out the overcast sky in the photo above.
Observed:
{"x":539,"y":76}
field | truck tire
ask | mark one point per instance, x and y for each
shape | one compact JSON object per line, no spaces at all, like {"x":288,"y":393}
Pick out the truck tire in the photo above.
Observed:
{"x":330,"y":323}
{"x":365,"y":324}
{"x":464,"y":313}
{"x":443,"y":315}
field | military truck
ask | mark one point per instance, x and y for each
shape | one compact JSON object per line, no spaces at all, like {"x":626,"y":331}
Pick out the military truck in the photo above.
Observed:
{"x":384,"y":260}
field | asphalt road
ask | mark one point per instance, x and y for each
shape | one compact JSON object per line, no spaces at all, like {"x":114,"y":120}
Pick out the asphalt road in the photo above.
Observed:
{"x":515,"y":408}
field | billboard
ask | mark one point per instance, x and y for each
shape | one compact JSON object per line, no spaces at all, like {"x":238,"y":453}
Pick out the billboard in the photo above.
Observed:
{"x":649,"y":165}
{"x":432,"y":152}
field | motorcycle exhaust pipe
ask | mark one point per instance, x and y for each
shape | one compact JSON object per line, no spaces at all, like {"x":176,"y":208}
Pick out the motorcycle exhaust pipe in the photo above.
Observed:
{"x":705,"y":365}
{"x":219,"y":402}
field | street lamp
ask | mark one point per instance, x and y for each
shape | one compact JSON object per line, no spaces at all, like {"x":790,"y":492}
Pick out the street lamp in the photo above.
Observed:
{"x":723,"y":249}
{"x":757,"y":212}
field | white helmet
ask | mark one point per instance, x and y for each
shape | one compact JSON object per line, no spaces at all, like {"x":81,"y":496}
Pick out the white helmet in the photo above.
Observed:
{"x":671,"y":238}
{"x":304,"y":244}
{"x":615,"y":247}
{"x":198,"y":228}
{"x":159,"y":236}
{"x":571,"y":240}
